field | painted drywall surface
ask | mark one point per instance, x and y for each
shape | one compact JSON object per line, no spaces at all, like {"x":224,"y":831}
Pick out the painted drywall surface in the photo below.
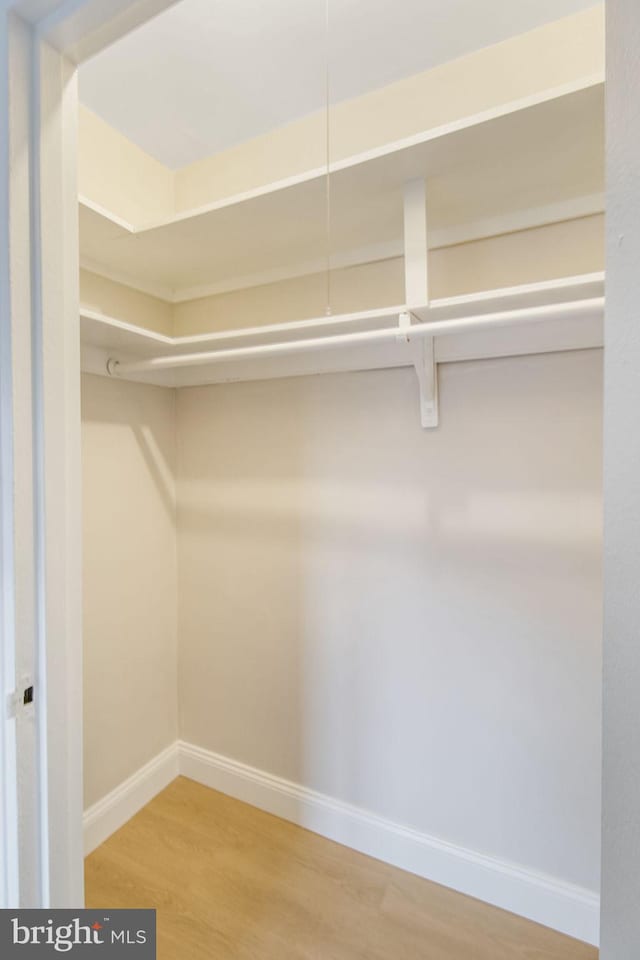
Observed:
{"x":120,"y":177}
{"x":124,"y":303}
{"x":130,"y":697}
{"x":117,"y":175}
{"x":564,"y":52}
{"x":202,"y":77}
{"x":363,"y":287}
{"x":557,"y":250}
{"x":621,"y":795}
{"x":407,"y":620}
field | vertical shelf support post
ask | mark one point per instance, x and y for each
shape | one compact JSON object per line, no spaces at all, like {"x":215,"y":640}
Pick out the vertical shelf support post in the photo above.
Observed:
{"x":416,"y":283}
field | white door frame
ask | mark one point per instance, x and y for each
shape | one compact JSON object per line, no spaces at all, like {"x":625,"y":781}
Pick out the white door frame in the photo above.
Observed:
{"x":8,"y":780}
{"x":41,"y":43}
{"x":40,"y":586}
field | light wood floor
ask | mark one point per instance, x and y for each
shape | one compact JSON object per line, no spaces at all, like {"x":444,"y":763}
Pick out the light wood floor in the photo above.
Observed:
{"x":232,"y":883}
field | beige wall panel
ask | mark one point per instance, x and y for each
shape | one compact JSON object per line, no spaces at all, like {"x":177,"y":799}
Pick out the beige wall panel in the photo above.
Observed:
{"x":130,"y":699}
{"x":357,"y":288}
{"x":124,"y":303}
{"x":403,"y":619}
{"x":285,"y":152}
{"x":120,"y":177}
{"x":564,"y":249}
{"x":558,"y":250}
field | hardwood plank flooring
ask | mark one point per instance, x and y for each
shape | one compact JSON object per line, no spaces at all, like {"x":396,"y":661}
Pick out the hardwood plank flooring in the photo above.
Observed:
{"x":230,"y":882}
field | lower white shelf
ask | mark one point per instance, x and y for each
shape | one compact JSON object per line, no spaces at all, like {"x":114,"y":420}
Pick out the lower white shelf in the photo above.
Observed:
{"x":546,"y":317}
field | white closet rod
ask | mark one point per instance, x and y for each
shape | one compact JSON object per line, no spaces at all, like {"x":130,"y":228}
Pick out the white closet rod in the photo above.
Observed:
{"x":504,"y":318}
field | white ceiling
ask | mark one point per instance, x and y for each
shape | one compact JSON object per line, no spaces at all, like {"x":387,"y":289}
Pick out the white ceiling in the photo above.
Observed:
{"x":208,"y":74}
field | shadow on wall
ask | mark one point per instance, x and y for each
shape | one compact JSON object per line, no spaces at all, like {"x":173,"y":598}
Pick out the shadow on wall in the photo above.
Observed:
{"x":408,"y":621}
{"x":129,"y":579}
{"x":132,"y":413}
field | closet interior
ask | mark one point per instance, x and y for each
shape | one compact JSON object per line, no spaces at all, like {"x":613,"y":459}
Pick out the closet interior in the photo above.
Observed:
{"x":342,"y":299}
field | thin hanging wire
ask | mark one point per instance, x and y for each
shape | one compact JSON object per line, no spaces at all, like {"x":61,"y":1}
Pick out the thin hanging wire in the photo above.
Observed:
{"x":328,"y":154}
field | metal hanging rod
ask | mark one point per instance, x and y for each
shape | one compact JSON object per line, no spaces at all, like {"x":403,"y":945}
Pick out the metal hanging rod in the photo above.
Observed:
{"x":404,"y":332}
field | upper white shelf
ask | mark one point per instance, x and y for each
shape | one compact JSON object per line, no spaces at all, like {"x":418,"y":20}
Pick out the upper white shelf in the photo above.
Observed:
{"x":544,"y":157}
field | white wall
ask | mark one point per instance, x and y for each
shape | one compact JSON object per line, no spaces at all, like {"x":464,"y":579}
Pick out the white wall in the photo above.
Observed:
{"x":406,"y":620}
{"x":621,"y":820}
{"x":130,"y":697}
{"x":565,"y":249}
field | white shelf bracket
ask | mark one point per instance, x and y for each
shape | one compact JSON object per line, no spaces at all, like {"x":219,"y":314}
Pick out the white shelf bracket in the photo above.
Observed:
{"x":424,"y":361}
{"x":416,"y":287}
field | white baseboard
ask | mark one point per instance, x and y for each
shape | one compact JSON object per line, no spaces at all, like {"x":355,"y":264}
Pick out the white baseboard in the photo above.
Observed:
{"x":112,"y":812}
{"x":546,"y":900}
